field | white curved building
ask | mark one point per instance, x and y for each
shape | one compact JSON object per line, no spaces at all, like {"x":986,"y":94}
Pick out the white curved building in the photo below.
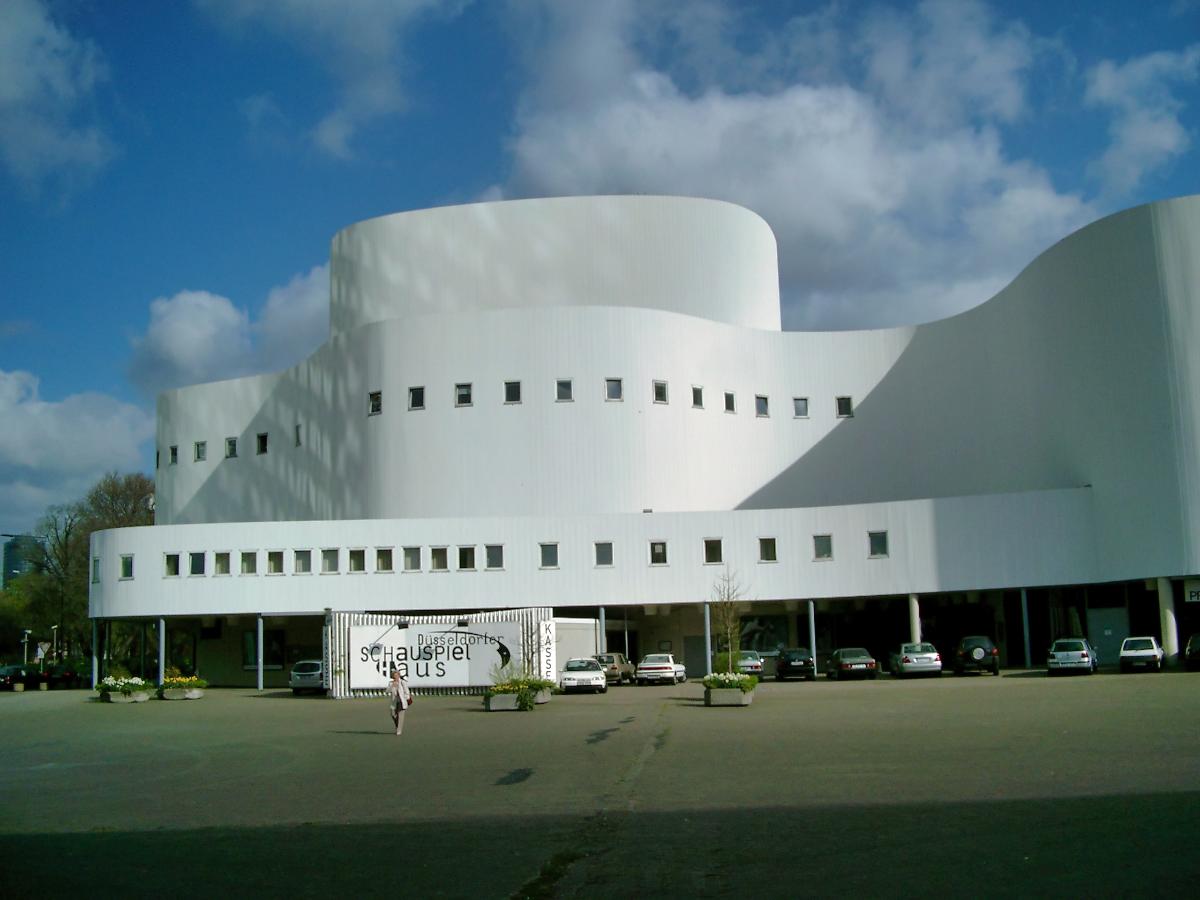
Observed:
{"x":587,"y":404}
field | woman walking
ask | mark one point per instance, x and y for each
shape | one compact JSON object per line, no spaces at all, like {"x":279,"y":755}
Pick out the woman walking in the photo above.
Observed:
{"x":400,"y":699}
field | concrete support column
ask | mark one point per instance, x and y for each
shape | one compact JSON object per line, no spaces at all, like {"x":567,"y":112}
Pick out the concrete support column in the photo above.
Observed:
{"x":914,"y":619}
{"x":95,"y":653}
{"x":162,"y":649}
{"x":707,"y":641}
{"x":1166,"y":617}
{"x":812,"y":632}
{"x":1025,"y":627}
{"x":260,"y":650}
{"x":603,"y":634}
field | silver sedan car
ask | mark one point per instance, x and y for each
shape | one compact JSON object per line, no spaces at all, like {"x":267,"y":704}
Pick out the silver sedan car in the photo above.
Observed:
{"x":921,"y":658}
{"x":1072,"y":655}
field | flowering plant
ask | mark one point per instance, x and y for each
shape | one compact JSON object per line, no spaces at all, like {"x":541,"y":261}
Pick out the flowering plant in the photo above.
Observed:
{"x":123,"y":684}
{"x":526,"y":687}
{"x":183,"y":681}
{"x":744,"y":683}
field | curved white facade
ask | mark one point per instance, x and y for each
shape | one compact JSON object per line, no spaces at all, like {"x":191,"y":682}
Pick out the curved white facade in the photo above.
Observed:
{"x":1047,"y":437}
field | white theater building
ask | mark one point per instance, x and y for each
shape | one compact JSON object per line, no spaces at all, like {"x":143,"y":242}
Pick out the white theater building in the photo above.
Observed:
{"x":585,"y":408}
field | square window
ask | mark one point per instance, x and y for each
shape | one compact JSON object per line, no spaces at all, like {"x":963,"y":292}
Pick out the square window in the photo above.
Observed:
{"x":230,"y":447}
{"x":766,"y":550}
{"x":845,"y":407}
{"x":878,"y":543}
{"x":375,"y":403}
{"x":358,"y":560}
{"x":249,"y":562}
{"x":822,"y":546}
{"x":221,"y":563}
{"x":800,"y":407}
{"x":512,"y":392}
{"x":127,"y":566}
{"x":200,"y":451}
{"x":299,"y":434}
{"x":412,"y":559}
{"x":95,"y":570}
{"x":383,"y":559}
{"x":730,"y":402}
{"x":549,"y":556}
{"x":439,"y":559}
{"x":330,"y":560}
{"x":260,"y":445}
{"x":604,"y":553}
{"x":697,"y":397}
{"x":712,"y":550}
{"x":462,"y":394}
{"x":173,"y":455}
{"x":416,"y":398}
{"x":563,"y":391}
{"x":658,"y":553}
{"x":762,"y":407}
{"x":195,"y":563}
{"x":613,"y":389}
{"x":274,"y":562}
{"x":466,"y":559}
{"x":302,"y":562}
{"x":171,"y":565}
{"x":494,"y":556}
{"x":660,"y":392}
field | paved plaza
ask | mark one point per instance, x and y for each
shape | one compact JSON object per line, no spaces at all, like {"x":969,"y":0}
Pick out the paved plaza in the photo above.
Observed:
{"x":1019,"y":785}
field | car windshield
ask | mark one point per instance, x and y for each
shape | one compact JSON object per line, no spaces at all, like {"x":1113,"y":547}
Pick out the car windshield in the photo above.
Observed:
{"x":582,"y":665}
{"x":854,"y":653}
{"x":657,"y":658}
{"x":1067,"y":646}
{"x":306,"y":668}
{"x":977,"y":642}
{"x":794,"y":655}
{"x":606,"y":659}
{"x":749,"y":654}
{"x":1138,"y":644}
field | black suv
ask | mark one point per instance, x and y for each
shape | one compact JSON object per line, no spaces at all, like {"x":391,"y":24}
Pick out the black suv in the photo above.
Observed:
{"x":977,"y":654}
{"x":795,"y":663}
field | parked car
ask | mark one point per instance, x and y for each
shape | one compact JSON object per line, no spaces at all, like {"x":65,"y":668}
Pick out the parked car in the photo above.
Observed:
{"x":11,"y":676}
{"x":1141,"y":653}
{"x":616,"y":667}
{"x":68,"y":674}
{"x":1191,"y":653}
{"x":851,"y":662}
{"x":1072,"y":655}
{"x":307,"y":675}
{"x":794,"y":663}
{"x":656,"y":667}
{"x":749,"y":662}
{"x":921,"y":658}
{"x":583,"y":673}
{"x":977,"y":653}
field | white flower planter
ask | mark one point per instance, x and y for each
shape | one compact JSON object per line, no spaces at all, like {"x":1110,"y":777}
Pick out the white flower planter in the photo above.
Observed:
{"x":727,"y":697}
{"x":502,"y":703}
{"x":118,"y":697}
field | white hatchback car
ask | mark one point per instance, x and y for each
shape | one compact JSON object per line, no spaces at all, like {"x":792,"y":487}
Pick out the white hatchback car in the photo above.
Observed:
{"x":1072,"y":655}
{"x":583,"y":674}
{"x":1141,"y":653}
{"x":307,"y":675}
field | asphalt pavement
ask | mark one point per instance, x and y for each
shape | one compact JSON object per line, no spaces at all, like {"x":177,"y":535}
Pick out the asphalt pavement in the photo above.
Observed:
{"x":1011,"y":786}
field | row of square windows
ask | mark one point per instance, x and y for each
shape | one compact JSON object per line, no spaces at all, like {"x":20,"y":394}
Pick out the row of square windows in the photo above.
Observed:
{"x":439,"y":557}
{"x":614,"y":391}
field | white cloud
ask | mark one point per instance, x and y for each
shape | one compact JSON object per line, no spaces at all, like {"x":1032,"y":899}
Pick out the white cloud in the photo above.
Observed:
{"x":197,"y":336}
{"x":1145,"y":129}
{"x":891,"y":196}
{"x":47,"y":78}
{"x":52,"y":452}
{"x":357,"y":42}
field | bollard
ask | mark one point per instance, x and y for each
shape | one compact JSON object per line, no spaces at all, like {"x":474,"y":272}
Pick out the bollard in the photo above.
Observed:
{"x":43,"y":686}
{"x":18,"y":687}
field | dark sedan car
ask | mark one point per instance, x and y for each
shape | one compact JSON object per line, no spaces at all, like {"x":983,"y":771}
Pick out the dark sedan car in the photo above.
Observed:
{"x":977,"y":653}
{"x":851,"y":662}
{"x":794,"y":663}
{"x":11,"y":676}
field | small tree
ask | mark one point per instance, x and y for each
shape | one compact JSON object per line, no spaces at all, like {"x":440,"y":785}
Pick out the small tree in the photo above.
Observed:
{"x":727,"y":593}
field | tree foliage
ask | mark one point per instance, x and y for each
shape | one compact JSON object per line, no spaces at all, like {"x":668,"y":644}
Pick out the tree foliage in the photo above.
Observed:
{"x":727,"y":594}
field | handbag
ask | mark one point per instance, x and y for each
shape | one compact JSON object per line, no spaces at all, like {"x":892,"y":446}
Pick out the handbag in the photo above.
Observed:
{"x":412,"y":698}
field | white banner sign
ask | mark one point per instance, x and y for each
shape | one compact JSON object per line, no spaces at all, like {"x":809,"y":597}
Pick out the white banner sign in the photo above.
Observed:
{"x":432,"y":655}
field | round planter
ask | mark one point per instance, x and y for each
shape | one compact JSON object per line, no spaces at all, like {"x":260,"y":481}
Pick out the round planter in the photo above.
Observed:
{"x":194,"y":693}
{"x":543,"y":696}
{"x":502,"y":703}
{"x":117,"y":697}
{"x":727,"y":697}
{"x":174,"y":693}
{"x":18,"y":688}
{"x":43,"y":686}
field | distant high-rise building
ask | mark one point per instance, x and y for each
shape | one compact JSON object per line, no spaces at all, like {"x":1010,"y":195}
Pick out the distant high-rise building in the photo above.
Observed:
{"x":19,"y":555}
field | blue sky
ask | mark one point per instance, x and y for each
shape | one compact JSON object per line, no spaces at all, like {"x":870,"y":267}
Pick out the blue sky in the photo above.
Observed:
{"x":171,"y":174}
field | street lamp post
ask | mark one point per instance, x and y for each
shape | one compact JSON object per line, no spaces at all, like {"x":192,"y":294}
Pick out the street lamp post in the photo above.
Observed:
{"x":54,"y":642}
{"x":25,"y":644}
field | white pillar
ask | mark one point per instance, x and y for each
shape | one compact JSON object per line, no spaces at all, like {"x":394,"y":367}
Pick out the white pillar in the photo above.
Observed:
{"x":914,"y":618}
{"x":260,"y":651}
{"x":95,"y":653}
{"x":1025,"y":627}
{"x":162,"y":649}
{"x":603,"y":634}
{"x":1166,"y":617}
{"x":707,"y":641}
{"x":812,"y":633}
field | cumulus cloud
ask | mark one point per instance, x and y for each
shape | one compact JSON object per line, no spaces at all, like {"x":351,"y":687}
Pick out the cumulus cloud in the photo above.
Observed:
{"x":52,"y":452}
{"x":358,"y":42}
{"x":879,"y":161}
{"x":47,"y":79}
{"x":197,"y":336}
{"x":1145,"y":128}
